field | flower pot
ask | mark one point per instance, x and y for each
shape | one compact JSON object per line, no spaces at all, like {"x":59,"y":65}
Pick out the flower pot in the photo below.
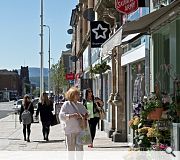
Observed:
{"x":155,"y":114}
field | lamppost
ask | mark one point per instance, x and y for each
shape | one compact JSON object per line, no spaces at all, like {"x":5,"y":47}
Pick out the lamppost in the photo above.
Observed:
{"x":41,"y":53}
{"x":49,"y":61}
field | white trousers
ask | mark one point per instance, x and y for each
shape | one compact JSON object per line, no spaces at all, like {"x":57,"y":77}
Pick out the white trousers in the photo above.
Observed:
{"x":71,"y":143}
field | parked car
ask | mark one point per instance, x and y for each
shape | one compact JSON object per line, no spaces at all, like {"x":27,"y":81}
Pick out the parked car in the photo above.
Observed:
{"x":35,"y":102}
{"x":17,"y":106}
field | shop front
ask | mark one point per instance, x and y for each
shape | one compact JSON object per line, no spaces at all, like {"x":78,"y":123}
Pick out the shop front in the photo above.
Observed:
{"x":136,"y":78}
{"x":163,"y":26}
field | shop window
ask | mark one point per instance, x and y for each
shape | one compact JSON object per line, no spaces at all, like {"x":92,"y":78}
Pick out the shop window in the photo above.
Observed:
{"x":166,"y":56}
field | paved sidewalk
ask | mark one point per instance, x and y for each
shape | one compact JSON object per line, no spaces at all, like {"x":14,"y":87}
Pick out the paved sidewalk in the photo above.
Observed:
{"x":11,"y":138}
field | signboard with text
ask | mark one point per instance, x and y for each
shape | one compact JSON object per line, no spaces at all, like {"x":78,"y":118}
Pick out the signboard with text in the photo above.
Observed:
{"x":70,"y":76}
{"x":126,"y":6}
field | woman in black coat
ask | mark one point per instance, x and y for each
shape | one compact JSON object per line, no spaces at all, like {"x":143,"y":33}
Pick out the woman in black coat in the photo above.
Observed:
{"x":45,"y":108}
{"x":28,"y":106}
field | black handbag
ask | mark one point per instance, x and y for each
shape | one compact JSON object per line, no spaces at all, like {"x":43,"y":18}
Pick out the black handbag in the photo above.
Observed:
{"x":54,"y":120}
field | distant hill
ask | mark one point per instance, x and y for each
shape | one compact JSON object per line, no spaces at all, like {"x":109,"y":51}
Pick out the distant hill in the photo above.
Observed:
{"x":35,"y":72}
{"x":36,"y":81}
{"x":34,"y":76}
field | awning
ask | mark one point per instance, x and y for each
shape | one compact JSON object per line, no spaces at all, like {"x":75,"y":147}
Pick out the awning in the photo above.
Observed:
{"x":130,"y":38}
{"x":144,"y":24}
{"x":113,"y":41}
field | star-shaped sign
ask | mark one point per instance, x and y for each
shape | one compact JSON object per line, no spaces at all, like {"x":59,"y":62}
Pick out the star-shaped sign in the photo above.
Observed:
{"x":99,"y":33}
{"x":100,"y":28}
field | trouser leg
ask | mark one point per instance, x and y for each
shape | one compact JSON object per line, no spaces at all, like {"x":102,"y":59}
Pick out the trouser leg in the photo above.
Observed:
{"x":28,"y":131}
{"x":47,"y":132}
{"x":44,"y":131}
{"x":24,"y":131}
{"x":70,"y":142}
{"x":92,"y":125}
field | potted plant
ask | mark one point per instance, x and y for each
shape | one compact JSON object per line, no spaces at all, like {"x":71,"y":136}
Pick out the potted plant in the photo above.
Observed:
{"x":152,"y":108}
{"x":100,"y":68}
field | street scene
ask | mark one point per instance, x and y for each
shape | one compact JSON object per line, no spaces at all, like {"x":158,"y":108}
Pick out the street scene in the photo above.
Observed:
{"x":11,"y":138}
{"x":90,"y":76}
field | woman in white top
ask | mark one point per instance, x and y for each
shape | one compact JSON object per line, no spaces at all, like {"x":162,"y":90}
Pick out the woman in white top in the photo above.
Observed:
{"x":70,"y":114}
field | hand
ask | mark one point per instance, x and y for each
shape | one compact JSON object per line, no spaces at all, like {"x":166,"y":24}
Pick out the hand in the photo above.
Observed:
{"x":76,"y":115}
{"x":86,"y":115}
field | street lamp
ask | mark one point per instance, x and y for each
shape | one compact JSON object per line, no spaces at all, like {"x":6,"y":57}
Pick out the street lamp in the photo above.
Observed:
{"x":49,"y":61}
{"x":41,"y":53}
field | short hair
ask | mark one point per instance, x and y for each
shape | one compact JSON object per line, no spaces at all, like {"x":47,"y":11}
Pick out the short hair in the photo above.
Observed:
{"x":70,"y":94}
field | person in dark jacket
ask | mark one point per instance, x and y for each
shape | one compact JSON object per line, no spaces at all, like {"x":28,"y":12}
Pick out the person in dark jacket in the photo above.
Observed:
{"x":91,"y":103}
{"x":45,"y":108}
{"x":28,"y":106}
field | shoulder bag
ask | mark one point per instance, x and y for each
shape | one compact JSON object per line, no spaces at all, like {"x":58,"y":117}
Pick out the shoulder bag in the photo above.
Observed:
{"x":101,"y":112}
{"x":84,"y":136}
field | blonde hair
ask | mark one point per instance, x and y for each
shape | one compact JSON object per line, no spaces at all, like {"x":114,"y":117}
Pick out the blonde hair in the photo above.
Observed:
{"x":70,"y":94}
{"x":44,"y":98}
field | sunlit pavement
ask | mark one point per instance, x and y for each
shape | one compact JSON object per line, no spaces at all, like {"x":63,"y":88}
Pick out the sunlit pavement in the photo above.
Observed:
{"x":11,"y":138}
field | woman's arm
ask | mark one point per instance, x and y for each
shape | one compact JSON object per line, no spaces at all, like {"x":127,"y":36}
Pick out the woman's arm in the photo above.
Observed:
{"x":64,"y":114}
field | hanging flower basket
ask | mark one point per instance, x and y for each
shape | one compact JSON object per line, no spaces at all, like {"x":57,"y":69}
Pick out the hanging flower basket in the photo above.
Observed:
{"x":155,"y":114}
{"x":100,"y":68}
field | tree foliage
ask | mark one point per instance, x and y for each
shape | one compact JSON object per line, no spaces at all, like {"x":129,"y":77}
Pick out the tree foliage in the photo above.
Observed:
{"x":58,"y":77}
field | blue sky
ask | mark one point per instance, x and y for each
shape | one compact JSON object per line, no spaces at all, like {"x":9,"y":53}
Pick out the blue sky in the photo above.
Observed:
{"x":20,"y":29}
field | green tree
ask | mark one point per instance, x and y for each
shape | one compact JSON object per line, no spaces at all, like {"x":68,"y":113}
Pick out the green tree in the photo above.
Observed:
{"x":58,"y":77}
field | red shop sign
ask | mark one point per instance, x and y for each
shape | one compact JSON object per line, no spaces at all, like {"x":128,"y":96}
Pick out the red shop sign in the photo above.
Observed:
{"x":70,"y":76}
{"x":126,"y":6}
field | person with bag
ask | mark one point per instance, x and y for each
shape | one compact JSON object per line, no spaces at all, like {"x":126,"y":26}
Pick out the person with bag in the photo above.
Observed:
{"x":92,"y":105}
{"x":26,"y":116}
{"x":74,"y":115}
{"x":45,"y":108}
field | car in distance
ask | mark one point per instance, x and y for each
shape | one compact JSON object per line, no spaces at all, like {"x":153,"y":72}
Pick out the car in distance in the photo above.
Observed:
{"x":17,"y":105}
{"x":35,"y":102}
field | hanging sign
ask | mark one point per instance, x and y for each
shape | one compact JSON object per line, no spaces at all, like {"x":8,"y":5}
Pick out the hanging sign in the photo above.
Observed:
{"x":99,"y":33}
{"x":126,"y":6}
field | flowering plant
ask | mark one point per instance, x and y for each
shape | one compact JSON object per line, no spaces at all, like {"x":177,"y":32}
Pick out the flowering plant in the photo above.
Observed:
{"x":134,"y":122}
{"x":150,"y":104}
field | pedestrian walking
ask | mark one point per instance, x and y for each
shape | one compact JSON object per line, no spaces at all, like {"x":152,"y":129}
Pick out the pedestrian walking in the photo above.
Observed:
{"x":92,"y":105}
{"x":26,"y":116}
{"x":45,"y":108}
{"x":72,"y":113}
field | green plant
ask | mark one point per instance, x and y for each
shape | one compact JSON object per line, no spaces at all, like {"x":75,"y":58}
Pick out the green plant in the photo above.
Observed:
{"x":173,"y":111}
{"x":100,"y":68}
{"x":150,"y":104}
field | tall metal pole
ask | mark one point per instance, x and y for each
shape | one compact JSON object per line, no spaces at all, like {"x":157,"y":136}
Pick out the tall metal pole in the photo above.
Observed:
{"x":49,"y":61}
{"x":41,"y":53}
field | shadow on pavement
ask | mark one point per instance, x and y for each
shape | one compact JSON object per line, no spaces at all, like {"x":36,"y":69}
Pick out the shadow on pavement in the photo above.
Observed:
{"x":50,"y":141}
{"x":111,"y":147}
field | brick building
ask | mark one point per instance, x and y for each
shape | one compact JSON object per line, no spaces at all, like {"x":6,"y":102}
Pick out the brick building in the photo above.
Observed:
{"x":9,"y":85}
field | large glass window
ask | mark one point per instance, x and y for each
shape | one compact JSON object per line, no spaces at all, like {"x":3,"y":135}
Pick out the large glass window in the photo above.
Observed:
{"x":166,"y":51}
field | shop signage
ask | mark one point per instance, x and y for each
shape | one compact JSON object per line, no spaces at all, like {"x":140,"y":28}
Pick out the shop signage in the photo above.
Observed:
{"x":99,"y":33}
{"x":70,"y":76}
{"x":126,"y":6}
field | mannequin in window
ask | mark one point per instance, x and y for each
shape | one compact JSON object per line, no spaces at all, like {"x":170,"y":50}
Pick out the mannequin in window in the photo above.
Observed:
{"x":138,"y":92}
